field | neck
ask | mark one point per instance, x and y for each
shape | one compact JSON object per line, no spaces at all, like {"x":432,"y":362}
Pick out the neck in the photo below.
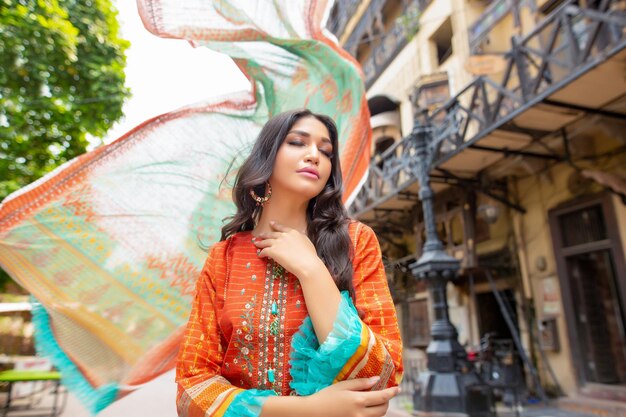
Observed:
{"x":286,"y":211}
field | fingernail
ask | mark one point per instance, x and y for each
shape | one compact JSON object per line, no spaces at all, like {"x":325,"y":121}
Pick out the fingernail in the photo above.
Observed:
{"x":374,"y":379}
{"x":253,"y":239}
{"x":258,"y":251}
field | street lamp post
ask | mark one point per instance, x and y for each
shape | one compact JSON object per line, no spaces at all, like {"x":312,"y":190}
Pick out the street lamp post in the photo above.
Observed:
{"x":450,"y":385}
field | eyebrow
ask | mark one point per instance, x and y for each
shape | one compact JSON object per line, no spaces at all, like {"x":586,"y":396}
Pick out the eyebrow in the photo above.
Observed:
{"x":308,"y":135}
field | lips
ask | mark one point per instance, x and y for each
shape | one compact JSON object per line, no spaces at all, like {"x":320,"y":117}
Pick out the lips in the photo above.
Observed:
{"x":310,"y":171}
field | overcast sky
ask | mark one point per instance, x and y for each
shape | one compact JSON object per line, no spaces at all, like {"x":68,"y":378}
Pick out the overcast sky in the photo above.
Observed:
{"x":165,"y":74}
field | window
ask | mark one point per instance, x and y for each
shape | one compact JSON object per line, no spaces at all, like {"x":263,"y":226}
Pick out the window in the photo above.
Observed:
{"x":442,"y":41}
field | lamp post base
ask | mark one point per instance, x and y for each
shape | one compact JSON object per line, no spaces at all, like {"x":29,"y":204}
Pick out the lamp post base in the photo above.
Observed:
{"x":451,"y":394}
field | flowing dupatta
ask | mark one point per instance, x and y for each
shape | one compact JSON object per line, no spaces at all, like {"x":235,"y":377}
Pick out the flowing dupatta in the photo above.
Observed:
{"x":110,"y":243}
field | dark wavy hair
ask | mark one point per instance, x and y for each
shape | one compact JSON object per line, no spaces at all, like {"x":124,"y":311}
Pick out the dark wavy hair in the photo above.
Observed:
{"x":327,"y":218}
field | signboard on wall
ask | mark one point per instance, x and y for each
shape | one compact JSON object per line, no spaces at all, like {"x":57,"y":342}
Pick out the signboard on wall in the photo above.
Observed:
{"x":550,"y":297}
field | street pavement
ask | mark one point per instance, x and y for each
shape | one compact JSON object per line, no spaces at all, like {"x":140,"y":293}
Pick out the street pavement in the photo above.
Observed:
{"x":539,"y":411}
{"x":158,"y":397}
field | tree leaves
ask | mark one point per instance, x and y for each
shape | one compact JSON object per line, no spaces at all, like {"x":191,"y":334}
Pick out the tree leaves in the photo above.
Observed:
{"x":61,"y":83}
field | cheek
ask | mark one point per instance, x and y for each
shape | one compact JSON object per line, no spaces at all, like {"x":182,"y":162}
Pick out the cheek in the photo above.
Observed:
{"x":284,"y":165}
{"x":282,"y":159}
{"x":328,"y":167}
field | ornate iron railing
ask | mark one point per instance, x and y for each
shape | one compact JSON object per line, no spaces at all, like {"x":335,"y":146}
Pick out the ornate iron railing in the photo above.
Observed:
{"x":341,"y":13}
{"x":390,"y":173}
{"x":365,"y":22}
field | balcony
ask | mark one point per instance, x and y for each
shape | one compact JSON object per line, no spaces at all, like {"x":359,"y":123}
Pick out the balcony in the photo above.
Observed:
{"x":568,"y":67}
{"x":380,"y":34}
{"x":391,"y":44}
{"x":393,"y":40}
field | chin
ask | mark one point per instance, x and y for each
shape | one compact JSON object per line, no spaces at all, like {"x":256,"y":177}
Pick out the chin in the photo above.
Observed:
{"x":310,"y":195}
{"x":307,"y":193}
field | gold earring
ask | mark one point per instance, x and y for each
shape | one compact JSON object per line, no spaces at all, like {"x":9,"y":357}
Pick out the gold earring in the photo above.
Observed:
{"x":262,"y":200}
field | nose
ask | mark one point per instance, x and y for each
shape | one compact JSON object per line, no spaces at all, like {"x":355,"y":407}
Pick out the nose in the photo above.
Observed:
{"x":313,"y":155}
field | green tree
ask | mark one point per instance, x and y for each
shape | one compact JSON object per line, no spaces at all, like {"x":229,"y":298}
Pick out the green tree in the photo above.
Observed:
{"x":61,"y":83}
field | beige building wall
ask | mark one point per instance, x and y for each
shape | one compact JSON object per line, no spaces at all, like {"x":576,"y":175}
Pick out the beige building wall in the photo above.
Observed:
{"x":536,"y":193}
{"x":419,"y":58}
{"x":539,"y":194}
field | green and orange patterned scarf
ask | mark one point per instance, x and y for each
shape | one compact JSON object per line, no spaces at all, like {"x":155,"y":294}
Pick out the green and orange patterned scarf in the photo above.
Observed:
{"x":110,"y":244}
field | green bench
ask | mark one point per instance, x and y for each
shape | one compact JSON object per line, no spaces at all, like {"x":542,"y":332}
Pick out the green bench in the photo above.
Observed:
{"x":11,"y":377}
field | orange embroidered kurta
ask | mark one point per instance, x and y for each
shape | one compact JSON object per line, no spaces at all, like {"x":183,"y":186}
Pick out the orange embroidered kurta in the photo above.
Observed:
{"x":249,"y":335}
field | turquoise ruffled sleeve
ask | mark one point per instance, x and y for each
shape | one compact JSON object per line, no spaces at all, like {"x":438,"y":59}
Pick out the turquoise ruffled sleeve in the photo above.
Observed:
{"x":248,"y":403}
{"x":314,"y":367}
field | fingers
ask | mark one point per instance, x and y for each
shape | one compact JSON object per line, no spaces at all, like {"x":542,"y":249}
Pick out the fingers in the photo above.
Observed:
{"x":375,"y":398}
{"x":264,"y":247}
{"x":377,"y":410}
{"x":267,"y":235}
{"x":358,"y":384}
{"x":265,"y":243}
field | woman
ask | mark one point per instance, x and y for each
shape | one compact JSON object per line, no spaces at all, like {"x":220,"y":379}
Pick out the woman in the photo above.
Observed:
{"x":273,"y":329}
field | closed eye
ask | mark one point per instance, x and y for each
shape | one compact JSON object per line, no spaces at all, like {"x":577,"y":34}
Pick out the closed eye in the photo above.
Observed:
{"x":328,"y":154}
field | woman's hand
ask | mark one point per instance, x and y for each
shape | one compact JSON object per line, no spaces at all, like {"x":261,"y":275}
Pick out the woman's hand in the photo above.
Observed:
{"x":349,"y":399}
{"x":290,"y":248}
{"x":343,"y":399}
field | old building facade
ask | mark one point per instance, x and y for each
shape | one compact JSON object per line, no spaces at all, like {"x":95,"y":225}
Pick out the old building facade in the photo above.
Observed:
{"x":527,"y":99}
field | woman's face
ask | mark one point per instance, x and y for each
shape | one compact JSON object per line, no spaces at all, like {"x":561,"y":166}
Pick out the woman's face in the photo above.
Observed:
{"x":307,"y":146}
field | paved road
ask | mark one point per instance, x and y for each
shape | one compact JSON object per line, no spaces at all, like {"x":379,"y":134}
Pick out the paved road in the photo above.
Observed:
{"x":157,"y":399}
